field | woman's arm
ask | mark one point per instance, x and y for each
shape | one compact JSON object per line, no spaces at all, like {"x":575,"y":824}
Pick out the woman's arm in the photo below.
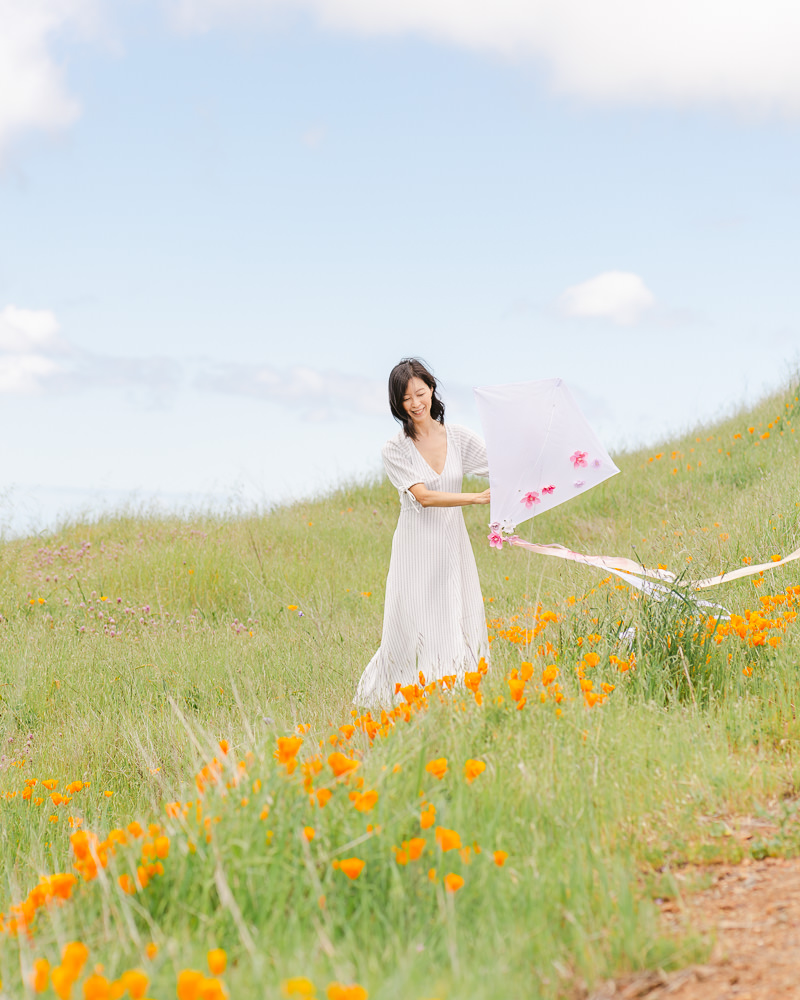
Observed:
{"x":432,"y":498}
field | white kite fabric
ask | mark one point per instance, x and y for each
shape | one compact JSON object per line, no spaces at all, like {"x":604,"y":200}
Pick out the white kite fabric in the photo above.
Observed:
{"x":542,"y":451}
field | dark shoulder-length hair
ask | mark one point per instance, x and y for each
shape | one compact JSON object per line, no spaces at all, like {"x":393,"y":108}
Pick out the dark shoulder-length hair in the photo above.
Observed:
{"x":399,"y":377}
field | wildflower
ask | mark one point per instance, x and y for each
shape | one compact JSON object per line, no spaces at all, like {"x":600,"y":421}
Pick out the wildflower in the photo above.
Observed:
{"x":287,"y":750}
{"x":549,"y":674}
{"x":217,"y":961}
{"x":516,"y":687}
{"x":151,"y":950}
{"x":298,"y":986}
{"x":74,"y":956}
{"x":323,"y":796}
{"x":472,"y":680}
{"x":591,"y":659}
{"x":364,"y":802}
{"x":341,"y":765}
{"x":427,"y":816}
{"x":308,"y":833}
{"x":127,"y":884}
{"x":453,"y":882}
{"x":108,"y":794}
{"x":338,"y":991}
{"x":97,"y":987}
{"x":438,"y":767}
{"x":448,"y":840}
{"x":472,"y":769}
{"x":500,"y":858}
{"x":188,"y":986}
{"x":40,"y":974}
{"x":352,"y":867}
{"x":135,"y":982}
{"x":415,"y":847}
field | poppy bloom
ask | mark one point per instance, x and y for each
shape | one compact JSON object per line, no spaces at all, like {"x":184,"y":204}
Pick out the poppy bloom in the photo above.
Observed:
{"x":39,"y":976}
{"x":298,"y":986}
{"x":288,"y":747}
{"x":341,"y":765}
{"x":415,"y":847}
{"x":447,"y":839}
{"x":453,"y":882}
{"x":352,"y":867}
{"x":472,"y":769}
{"x":366,"y":801}
{"x":500,"y":858}
{"x":135,"y":982}
{"x":427,"y":816}
{"x":217,"y":961}
{"x":338,"y":991}
{"x":438,"y":767}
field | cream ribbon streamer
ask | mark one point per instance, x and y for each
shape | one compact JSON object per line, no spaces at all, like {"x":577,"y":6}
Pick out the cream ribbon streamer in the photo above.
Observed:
{"x":627,"y":568}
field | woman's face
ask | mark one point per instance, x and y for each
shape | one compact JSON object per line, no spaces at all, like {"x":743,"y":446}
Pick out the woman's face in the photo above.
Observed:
{"x":417,"y":400}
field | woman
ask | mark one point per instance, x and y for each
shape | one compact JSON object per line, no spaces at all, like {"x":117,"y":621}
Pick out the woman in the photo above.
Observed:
{"x":434,"y":620}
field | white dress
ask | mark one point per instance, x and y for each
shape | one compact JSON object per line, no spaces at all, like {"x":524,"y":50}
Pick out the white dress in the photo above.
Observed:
{"x":434,"y":619}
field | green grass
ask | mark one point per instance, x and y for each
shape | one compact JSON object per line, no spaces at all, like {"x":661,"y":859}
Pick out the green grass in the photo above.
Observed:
{"x":129,"y":646}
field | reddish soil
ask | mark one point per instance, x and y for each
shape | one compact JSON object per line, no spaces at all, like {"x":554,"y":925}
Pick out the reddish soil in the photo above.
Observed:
{"x":751,"y":913}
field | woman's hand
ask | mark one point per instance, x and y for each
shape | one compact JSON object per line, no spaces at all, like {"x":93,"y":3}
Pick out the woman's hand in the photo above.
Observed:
{"x":484,"y":497}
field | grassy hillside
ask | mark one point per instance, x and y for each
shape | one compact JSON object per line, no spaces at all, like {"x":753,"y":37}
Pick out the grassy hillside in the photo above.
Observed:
{"x":130,"y":647}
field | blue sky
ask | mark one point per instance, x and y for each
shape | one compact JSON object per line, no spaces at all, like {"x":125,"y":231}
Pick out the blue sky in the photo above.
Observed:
{"x":221,"y":224}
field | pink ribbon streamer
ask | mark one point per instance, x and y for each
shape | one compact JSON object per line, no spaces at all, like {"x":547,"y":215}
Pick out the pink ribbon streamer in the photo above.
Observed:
{"x":628,"y":566}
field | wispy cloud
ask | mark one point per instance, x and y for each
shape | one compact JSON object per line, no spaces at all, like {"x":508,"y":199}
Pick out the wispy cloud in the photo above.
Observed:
{"x":318,"y":395}
{"x":35,"y":358}
{"x":620,"y":296}
{"x":622,"y":51}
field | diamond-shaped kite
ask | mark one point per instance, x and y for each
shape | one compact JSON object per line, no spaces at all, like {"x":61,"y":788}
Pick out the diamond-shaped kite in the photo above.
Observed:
{"x":542,"y":451}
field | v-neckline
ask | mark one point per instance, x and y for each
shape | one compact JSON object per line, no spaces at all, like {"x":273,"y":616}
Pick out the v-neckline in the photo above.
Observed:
{"x":446,"y":454}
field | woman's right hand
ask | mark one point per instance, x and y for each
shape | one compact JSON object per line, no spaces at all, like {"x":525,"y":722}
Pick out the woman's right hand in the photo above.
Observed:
{"x":484,"y":497}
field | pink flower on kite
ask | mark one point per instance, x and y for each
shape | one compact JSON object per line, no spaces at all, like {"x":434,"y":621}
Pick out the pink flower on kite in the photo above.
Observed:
{"x":578,"y":459}
{"x":530,"y":499}
{"x":494,"y":536}
{"x":548,"y":489}
{"x":597,"y":463}
{"x":579,"y":483}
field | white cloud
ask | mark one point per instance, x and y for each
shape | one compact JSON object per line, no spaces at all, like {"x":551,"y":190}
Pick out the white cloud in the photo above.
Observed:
{"x":620,"y":296}
{"x":33,"y":94}
{"x":741,"y":53}
{"x":25,"y":374}
{"x":26,"y":330}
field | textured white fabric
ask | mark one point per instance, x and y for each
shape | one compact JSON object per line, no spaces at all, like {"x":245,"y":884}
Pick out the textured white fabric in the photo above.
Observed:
{"x":542,"y":450}
{"x":434,"y":619}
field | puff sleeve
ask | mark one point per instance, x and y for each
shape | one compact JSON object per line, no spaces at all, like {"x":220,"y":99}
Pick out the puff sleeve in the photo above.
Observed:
{"x":473,"y":453}
{"x":400,"y":470}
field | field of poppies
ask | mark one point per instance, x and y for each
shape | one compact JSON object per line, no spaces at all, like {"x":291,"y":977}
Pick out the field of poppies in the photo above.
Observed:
{"x":191,"y":807}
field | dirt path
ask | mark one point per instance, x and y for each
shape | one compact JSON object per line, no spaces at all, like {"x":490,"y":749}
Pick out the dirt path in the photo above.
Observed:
{"x":752,"y":912}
